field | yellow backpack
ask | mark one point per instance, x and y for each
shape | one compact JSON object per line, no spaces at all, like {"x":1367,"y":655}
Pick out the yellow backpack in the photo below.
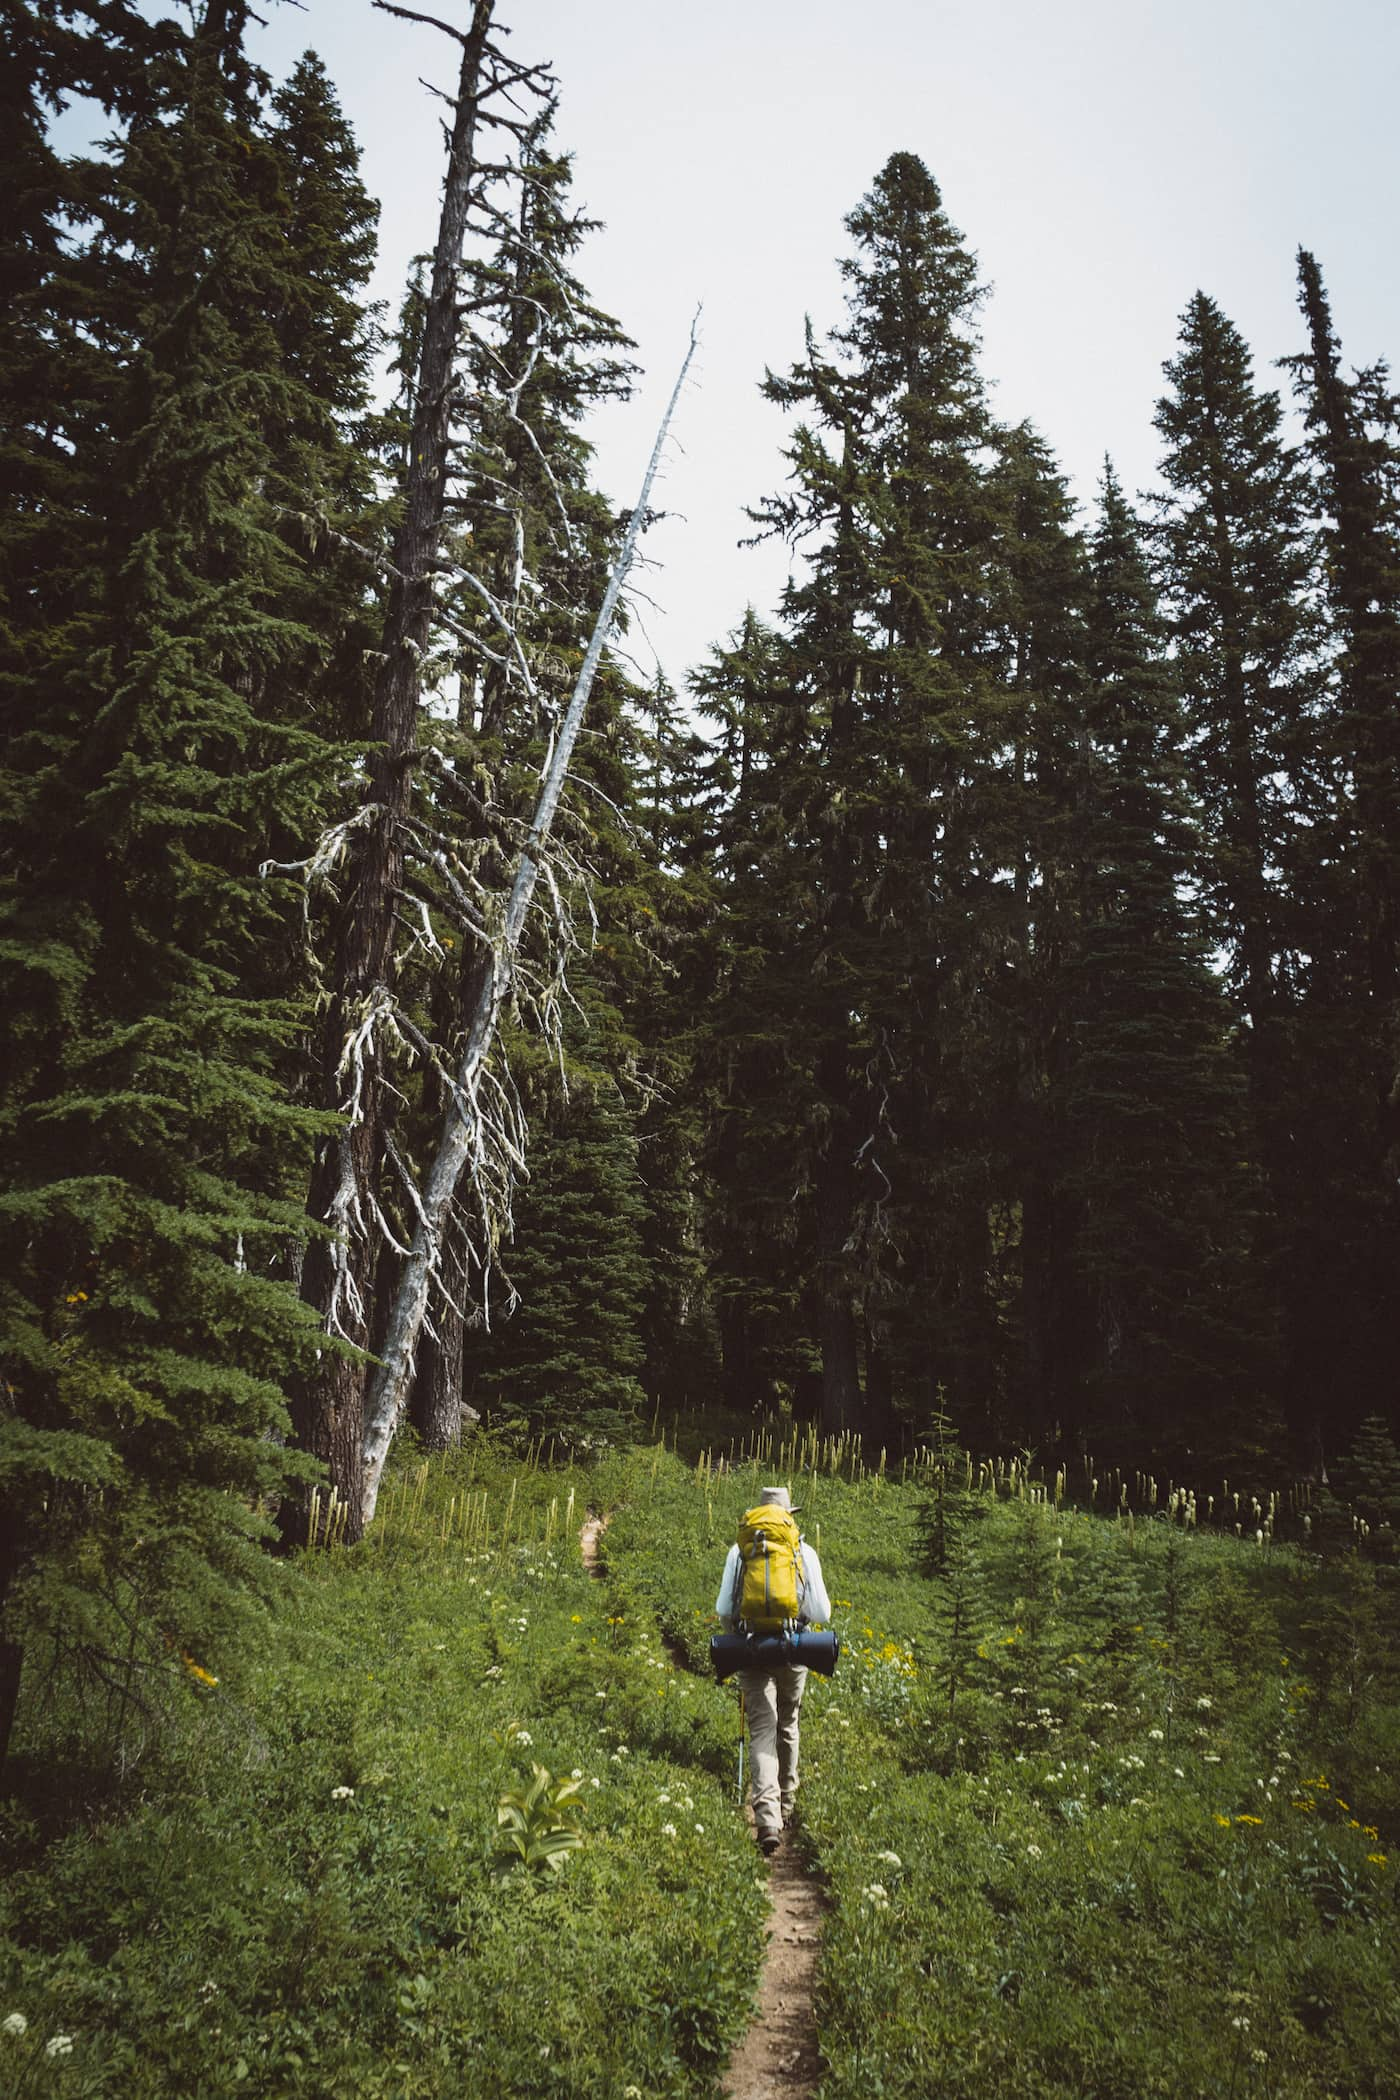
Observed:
{"x":770,"y":1560}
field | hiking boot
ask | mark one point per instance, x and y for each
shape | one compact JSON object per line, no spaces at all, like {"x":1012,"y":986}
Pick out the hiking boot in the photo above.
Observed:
{"x":769,"y":1842}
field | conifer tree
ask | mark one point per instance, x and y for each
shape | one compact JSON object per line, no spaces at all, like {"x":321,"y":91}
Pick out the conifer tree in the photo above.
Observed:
{"x":152,"y":1154}
{"x":567,"y":1362}
{"x":889,"y":778}
{"x":1160,"y":1331}
{"x":1232,"y":540}
{"x":757,"y":1227}
{"x":1354,"y":982}
{"x":1235,"y":570}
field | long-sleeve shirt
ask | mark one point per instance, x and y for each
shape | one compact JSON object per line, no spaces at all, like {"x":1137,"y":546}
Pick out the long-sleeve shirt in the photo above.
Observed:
{"x":813,"y":1604}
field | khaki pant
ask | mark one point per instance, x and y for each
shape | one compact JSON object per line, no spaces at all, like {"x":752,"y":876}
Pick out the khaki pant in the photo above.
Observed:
{"x":772,"y":1704}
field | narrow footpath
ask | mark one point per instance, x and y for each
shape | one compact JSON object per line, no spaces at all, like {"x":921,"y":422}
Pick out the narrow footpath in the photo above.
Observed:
{"x":778,"y":2058}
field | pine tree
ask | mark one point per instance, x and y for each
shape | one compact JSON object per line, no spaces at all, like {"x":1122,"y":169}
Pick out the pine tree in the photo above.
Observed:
{"x":567,"y":1363}
{"x":1038,"y":610}
{"x":1235,"y":561}
{"x":1353,"y":988}
{"x":153,"y":1157}
{"x":1235,"y":570}
{"x":757,"y":1228}
{"x":886,"y":771}
{"x":1161,"y":1348}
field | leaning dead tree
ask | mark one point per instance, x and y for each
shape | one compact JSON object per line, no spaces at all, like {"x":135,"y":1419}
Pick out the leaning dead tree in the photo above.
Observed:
{"x":476,"y":1137}
{"x":433,"y":854}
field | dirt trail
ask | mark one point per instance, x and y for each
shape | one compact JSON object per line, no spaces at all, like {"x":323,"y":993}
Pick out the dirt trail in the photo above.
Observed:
{"x":778,"y":2058}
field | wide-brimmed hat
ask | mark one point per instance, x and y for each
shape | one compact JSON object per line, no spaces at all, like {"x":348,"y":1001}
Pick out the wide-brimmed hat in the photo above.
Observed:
{"x":781,"y":1498}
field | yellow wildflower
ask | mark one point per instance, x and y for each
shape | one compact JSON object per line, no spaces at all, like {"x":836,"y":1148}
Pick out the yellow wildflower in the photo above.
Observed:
{"x":1249,"y":1819}
{"x":201,"y":1676}
{"x":1223,"y":1821}
{"x":1377,"y":1859}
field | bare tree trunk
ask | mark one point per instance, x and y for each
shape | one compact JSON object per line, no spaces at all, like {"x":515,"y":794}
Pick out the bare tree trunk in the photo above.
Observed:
{"x":464,"y":1132}
{"x":328,"y":1411}
{"x":435,"y":1407}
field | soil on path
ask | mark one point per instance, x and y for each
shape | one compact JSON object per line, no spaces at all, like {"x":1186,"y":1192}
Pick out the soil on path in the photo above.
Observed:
{"x":778,"y":2058}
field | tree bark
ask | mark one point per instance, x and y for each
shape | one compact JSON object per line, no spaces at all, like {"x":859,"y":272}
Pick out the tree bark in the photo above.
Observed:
{"x":328,"y":1410}
{"x":435,"y":1408}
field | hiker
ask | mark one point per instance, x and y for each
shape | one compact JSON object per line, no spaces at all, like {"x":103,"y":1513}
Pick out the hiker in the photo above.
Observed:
{"x":772,"y":1696}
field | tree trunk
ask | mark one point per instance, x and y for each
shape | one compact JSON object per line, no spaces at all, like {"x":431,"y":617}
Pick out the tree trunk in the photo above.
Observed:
{"x":339,"y":1277}
{"x":836,"y":1320}
{"x":435,"y":1407}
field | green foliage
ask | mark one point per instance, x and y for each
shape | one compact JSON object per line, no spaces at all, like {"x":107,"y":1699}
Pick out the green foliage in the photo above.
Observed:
{"x":320,"y":1841}
{"x":1369,"y":1476}
{"x":163,"y":738}
{"x":539,"y":1823}
{"x":565,"y":1361}
{"x":1149,"y":1846}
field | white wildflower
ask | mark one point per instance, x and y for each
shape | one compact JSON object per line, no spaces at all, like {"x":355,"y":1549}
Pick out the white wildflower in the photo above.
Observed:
{"x":59,"y":2045}
{"x":1032,"y":1852}
{"x":699,"y":1830}
{"x":1204,"y":1705}
{"x":1209,"y":1757}
{"x":889,"y":1859}
{"x":577,"y":1772}
{"x":14,"y":2023}
{"x":523,"y":1735}
{"x":342,"y":1793}
{"x":668,"y":1830}
{"x":1155,"y":1735}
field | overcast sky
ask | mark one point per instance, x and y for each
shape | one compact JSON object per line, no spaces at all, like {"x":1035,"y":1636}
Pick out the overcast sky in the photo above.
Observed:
{"x":1103,"y":158}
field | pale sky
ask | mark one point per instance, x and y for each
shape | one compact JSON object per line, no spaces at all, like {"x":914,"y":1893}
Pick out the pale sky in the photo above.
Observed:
{"x":1103,"y":158}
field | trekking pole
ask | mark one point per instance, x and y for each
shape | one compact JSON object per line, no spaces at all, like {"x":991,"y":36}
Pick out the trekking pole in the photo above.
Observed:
{"x":741,"y":1746}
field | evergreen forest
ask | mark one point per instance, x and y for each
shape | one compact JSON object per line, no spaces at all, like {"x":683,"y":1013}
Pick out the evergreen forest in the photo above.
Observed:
{"x":961,"y":1013}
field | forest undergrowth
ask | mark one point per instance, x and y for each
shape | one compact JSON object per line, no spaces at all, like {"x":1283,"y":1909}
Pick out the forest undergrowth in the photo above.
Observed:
{"x":1100,"y":1806}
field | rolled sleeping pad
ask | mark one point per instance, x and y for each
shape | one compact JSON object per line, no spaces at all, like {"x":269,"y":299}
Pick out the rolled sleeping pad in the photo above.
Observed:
{"x":805,"y":1646}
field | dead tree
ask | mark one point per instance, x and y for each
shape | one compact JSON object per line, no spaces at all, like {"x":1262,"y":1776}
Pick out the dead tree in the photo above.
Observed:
{"x":338,"y":1278}
{"x":481,"y":1134}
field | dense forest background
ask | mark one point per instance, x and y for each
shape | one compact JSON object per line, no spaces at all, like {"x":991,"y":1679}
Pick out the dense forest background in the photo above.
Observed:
{"x":973,"y":998}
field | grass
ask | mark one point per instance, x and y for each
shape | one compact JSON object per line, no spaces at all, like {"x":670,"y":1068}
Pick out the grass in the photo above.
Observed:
{"x":1103,"y":1806}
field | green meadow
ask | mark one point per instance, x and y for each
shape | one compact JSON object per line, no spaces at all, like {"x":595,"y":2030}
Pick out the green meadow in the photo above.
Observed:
{"x":1103,"y":1804}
